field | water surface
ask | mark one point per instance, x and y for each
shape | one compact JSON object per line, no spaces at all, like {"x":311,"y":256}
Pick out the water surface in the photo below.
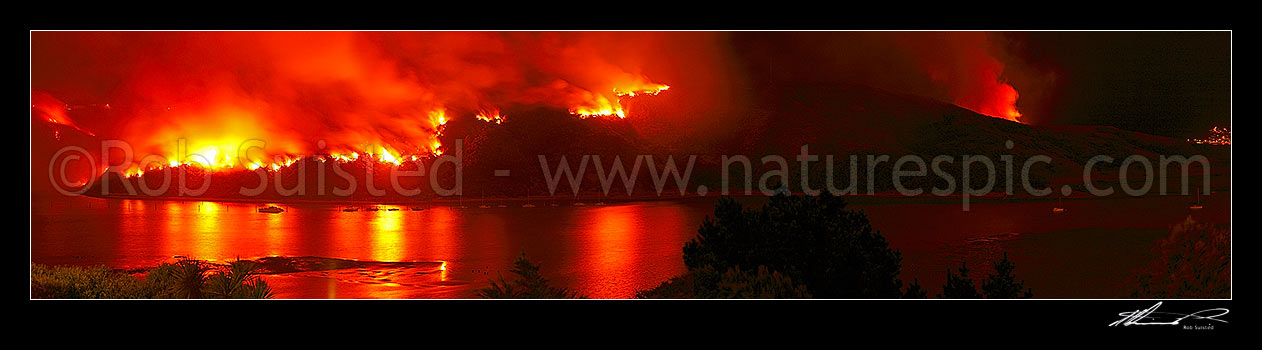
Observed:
{"x":607,"y":251}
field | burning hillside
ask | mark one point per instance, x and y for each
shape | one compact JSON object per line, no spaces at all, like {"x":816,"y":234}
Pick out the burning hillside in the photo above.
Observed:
{"x":243,"y":102}
{"x":198,"y":99}
{"x":1219,"y":136}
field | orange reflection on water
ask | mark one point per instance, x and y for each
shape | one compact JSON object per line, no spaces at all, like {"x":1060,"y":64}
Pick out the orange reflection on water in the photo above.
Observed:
{"x":608,"y":248}
{"x":275,"y":231}
{"x":388,"y":239}
{"x":206,"y":228}
{"x":183,"y":239}
{"x":138,"y":226}
{"x":440,"y":235}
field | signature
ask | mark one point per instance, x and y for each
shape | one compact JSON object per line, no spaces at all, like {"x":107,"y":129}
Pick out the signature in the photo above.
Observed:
{"x":1151,"y":317}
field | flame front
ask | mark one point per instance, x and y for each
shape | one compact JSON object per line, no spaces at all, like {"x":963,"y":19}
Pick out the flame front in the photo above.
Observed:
{"x":602,"y":106}
{"x":491,"y":115}
{"x":382,"y":95}
{"x":1218,"y":136}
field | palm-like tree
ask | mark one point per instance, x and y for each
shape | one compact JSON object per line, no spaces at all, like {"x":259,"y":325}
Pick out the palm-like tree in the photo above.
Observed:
{"x":189,"y":277}
{"x":240,"y":281}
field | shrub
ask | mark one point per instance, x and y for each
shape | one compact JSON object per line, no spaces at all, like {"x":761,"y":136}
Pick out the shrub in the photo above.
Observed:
{"x":1194,"y":261}
{"x":528,"y":285}
{"x":73,"y":282}
{"x":185,"y":279}
{"x":240,"y":281}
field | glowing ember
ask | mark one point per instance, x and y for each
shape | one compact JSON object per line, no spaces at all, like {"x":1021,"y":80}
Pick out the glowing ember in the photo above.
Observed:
{"x":1218,"y":136}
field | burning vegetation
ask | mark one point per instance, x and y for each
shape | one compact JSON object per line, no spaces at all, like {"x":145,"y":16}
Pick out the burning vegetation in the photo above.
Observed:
{"x":1218,"y":136}
{"x":243,"y":101}
{"x":230,"y":100}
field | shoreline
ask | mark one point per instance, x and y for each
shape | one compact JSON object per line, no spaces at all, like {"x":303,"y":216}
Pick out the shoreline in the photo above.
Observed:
{"x":596,"y":197}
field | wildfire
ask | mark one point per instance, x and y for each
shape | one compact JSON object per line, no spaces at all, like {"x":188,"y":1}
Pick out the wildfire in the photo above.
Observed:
{"x":386,"y":157}
{"x":992,"y":98}
{"x":397,"y":91}
{"x":605,"y":107}
{"x":490,"y":115}
{"x":439,"y":118}
{"x":606,"y":111}
{"x":279,"y":163}
{"x":651,"y":91}
{"x":1218,"y":136}
{"x":223,"y":155}
{"x":1006,"y":104}
{"x":227,"y":153}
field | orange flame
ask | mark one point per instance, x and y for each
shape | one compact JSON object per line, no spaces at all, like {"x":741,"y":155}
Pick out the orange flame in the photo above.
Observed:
{"x":601,"y":106}
{"x":1218,"y":136}
{"x":217,"y":91}
{"x":491,"y":115}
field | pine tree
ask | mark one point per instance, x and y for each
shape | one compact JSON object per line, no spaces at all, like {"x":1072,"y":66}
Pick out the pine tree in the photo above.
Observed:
{"x":915,"y":291}
{"x":959,"y":286}
{"x":528,"y":285}
{"x":1003,"y":284}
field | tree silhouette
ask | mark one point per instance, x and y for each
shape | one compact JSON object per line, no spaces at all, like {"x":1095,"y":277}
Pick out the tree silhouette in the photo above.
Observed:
{"x":1003,"y":284}
{"x":915,"y":291}
{"x":959,"y":286}
{"x":528,"y":285}
{"x":813,"y":240}
{"x":707,"y":283}
{"x":192,"y":279}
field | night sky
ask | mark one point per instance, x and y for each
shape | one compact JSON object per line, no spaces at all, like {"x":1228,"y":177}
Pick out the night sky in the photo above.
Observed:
{"x":1174,"y":84}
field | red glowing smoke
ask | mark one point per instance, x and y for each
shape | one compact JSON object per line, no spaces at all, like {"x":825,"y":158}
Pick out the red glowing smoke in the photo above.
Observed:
{"x":351,"y":89}
{"x":391,"y":92}
{"x":964,"y":65}
{"x":969,"y":69}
